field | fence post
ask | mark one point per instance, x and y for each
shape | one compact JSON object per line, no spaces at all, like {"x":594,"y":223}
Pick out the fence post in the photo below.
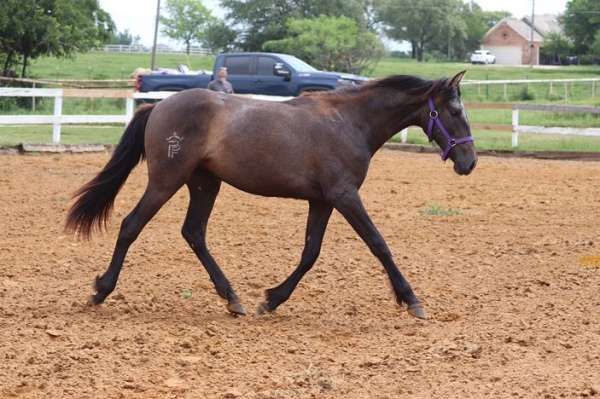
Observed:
{"x":58,"y":100}
{"x":404,"y":135}
{"x":566,"y":92}
{"x":593,"y":88}
{"x":33,"y":98}
{"x":129,"y":106}
{"x":505,"y":92}
{"x":515,"y":127}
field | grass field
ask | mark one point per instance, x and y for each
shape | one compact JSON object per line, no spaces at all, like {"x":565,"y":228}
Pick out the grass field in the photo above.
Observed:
{"x":110,"y":65}
{"x":120,"y":66}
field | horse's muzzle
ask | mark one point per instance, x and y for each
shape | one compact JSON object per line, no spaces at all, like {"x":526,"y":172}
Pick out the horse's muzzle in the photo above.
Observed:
{"x":465,"y":168}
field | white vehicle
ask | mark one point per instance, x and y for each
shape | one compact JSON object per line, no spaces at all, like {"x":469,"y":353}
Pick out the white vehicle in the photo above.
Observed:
{"x":483,"y":57}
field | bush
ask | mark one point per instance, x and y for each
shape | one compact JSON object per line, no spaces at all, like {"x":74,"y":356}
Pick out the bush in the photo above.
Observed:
{"x":330,"y":43}
{"x":524,"y":95}
{"x":589,"y":59}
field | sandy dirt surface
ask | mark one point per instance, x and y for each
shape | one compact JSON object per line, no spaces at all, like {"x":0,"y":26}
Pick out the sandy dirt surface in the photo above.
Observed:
{"x":513,"y":312}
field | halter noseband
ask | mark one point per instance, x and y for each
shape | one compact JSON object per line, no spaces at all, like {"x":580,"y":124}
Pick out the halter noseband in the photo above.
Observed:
{"x":450,"y":142}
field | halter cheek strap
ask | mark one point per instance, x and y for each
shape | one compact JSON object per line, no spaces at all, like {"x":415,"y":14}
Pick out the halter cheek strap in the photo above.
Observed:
{"x":450,"y":141}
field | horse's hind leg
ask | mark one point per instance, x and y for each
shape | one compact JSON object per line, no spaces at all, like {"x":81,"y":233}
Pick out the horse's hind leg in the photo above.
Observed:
{"x":204,"y":188}
{"x":318,"y":217}
{"x":152,"y":200}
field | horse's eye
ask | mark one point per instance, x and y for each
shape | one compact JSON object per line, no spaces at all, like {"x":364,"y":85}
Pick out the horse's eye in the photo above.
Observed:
{"x":455,"y":112}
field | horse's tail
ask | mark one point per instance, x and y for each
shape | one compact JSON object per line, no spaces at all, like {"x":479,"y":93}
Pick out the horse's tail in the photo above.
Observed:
{"x":96,"y":198}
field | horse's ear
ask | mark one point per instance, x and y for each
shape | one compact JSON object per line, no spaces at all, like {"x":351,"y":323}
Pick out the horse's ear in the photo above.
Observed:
{"x":455,"y":81}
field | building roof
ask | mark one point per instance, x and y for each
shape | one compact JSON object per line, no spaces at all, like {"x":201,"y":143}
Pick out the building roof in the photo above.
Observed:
{"x":545,"y":24}
{"x":519,"y":26}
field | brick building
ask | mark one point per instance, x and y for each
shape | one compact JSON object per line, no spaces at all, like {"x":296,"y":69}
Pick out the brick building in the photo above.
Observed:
{"x":509,"y":39}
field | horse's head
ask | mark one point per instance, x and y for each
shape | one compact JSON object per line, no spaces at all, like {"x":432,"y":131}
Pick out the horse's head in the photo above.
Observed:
{"x":446,"y":123}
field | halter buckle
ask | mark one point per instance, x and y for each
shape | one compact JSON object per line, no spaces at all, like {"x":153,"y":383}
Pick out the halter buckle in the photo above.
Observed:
{"x":433,"y":114}
{"x":452,"y":143}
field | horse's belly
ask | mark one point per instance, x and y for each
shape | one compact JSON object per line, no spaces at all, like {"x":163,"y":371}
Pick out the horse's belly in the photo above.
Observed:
{"x":267,"y":180}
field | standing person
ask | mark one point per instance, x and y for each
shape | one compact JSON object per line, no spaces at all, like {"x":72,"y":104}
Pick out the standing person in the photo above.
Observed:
{"x":221,"y":84}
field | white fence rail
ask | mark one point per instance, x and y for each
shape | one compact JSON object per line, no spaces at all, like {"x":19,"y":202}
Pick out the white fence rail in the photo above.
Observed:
{"x":518,"y":129}
{"x":58,"y":119}
{"x":125,"y":48}
{"x":556,"y":87}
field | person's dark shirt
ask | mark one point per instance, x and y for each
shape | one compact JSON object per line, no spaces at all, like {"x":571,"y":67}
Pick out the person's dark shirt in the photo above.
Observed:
{"x":220,"y":85}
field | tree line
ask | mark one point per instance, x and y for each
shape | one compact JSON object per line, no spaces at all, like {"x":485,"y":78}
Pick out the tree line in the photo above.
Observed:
{"x":580,"y":36}
{"x":344,"y":35}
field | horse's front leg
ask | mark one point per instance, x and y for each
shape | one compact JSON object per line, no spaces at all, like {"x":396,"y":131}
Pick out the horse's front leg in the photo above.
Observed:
{"x":350,"y":206}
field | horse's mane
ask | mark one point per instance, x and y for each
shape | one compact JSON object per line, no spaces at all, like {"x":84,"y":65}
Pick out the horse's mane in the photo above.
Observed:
{"x":412,"y":85}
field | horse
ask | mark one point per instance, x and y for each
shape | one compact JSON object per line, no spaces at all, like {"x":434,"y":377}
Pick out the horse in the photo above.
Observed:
{"x":316,"y":147}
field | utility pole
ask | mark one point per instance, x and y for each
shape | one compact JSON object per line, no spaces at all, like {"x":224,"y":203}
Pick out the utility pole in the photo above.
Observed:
{"x":531,"y":48}
{"x":153,"y":62}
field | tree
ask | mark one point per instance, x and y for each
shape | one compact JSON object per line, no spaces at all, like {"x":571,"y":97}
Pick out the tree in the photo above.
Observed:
{"x":124,"y":37}
{"x":478,"y":22}
{"x":420,"y":22}
{"x":596,"y":45}
{"x":581,"y":21}
{"x":555,"y":47}
{"x":447,"y":27}
{"x":60,"y":28}
{"x":452,"y":35}
{"x":258,"y":21}
{"x":218,"y":37}
{"x":187,"y":21}
{"x":332,"y":43}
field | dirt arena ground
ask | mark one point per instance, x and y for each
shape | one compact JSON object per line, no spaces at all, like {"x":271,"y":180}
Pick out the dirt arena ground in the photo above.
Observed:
{"x":513,"y":311}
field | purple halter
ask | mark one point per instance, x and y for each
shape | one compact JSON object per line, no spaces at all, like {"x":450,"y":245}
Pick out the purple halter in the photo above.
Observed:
{"x":450,"y":142}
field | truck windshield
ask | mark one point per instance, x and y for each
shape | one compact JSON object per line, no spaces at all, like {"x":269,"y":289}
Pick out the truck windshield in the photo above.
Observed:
{"x":297,"y":64}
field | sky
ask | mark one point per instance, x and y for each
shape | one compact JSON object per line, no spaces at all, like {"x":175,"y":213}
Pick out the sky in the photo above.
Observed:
{"x":138,"y":15}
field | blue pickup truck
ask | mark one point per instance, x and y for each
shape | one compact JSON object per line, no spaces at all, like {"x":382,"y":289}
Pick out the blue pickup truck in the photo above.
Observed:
{"x":254,"y":73}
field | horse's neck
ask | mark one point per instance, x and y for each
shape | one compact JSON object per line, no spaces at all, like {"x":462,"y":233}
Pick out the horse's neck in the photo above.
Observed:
{"x":387,"y":113}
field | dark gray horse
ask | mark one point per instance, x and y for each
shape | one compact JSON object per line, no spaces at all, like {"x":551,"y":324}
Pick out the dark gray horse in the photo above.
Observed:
{"x":315,"y":147}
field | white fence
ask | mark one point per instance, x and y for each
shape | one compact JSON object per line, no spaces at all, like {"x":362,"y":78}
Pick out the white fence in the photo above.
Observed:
{"x":58,"y":119}
{"x":126,"y":48}
{"x":518,"y":129}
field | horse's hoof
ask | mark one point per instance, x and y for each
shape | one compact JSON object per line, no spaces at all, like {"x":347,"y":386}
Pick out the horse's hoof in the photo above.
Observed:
{"x":417,"y":311}
{"x":236,"y":308}
{"x":263,"y":308}
{"x":95,"y":283}
{"x":93,"y":301}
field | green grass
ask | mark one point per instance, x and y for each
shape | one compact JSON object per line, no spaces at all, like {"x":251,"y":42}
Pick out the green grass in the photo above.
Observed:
{"x":494,"y":140}
{"x":186,"y":294}
{"x":438,"y":210}
{"x":391,"y":66}
{"x":101,"y":65}
{"x":42,"y":134}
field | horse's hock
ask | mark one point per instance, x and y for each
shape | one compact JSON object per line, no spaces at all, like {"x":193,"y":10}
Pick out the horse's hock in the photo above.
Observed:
{"x":509,"y":278}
